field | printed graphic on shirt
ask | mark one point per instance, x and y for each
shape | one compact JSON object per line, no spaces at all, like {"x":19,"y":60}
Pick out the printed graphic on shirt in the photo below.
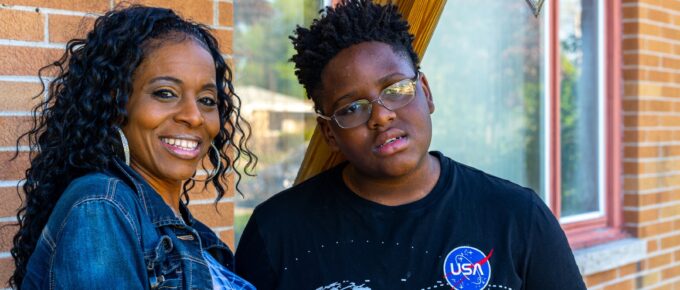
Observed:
{"x":467,"y":268}
{"x":344,"y":285}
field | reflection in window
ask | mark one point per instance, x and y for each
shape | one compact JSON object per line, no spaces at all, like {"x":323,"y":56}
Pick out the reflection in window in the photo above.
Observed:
{"x":579,"y":112}
{"x":485,"y":66}
{"x":280,"y":115}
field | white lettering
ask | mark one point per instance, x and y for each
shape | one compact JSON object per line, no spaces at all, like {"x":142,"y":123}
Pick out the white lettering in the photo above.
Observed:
{"x":466,"y":269}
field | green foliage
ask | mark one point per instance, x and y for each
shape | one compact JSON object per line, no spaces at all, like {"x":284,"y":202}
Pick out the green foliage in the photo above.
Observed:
{"x":261,"y":45}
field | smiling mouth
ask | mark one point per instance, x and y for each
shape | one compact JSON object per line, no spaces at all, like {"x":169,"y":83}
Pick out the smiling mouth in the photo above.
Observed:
{"x":187,"y":145}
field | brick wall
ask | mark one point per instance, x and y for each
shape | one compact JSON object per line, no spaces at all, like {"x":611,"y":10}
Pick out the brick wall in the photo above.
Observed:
{"x":34,"y":32}
{"x":651,"y":141}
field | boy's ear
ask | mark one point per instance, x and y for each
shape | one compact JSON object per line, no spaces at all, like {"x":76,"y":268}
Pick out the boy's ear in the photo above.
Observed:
{"x":325,"y":127}
{"x":427,"y":91}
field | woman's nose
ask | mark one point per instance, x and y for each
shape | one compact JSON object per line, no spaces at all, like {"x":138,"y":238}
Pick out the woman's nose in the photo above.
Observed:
{"x":189,"y":113}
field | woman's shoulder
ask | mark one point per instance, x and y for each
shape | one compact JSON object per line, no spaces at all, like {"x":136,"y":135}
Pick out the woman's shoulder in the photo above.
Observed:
{"x":97,"y":186}
{"x":97,"y":189}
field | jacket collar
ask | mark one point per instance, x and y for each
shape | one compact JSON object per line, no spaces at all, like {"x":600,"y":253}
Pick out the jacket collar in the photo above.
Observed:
{"x":159,"y":212}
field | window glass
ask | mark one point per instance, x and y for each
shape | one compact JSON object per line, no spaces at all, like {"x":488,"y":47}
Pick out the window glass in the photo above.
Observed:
{"x":579,"y":114}
{"x":485,"y":66}
{"x":274,"y":103}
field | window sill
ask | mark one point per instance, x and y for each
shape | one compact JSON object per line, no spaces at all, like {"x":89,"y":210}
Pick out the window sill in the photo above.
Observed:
{"x":610,"y":255}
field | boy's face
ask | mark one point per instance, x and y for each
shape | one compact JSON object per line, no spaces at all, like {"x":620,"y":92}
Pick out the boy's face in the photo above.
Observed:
{"x":391,"y":143}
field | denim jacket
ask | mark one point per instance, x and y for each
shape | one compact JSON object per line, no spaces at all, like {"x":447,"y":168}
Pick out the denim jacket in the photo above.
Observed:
{"x":111,"y":230}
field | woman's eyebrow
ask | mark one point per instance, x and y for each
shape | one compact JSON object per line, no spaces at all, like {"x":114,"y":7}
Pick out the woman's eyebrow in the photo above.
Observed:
{"x":165,"y":78}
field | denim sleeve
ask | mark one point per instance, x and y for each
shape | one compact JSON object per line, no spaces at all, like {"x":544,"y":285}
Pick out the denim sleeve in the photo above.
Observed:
{"x":98,"y":247}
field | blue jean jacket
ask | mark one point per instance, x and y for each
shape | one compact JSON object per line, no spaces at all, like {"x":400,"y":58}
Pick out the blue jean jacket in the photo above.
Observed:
{"x":111,"y":230}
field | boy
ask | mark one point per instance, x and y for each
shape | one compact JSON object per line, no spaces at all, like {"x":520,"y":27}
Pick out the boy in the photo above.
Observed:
{"x":394,"y":216}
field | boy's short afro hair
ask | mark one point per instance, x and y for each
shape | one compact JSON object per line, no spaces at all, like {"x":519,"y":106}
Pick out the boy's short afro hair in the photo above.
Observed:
{"x":349,"y":23}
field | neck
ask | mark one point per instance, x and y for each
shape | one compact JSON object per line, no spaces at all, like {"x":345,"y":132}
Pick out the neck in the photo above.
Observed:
{"x":393,"y":191}
{"x":168,"y":190}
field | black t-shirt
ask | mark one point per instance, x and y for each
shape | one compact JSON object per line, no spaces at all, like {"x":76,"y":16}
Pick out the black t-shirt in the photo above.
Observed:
{"x":472,"y":231}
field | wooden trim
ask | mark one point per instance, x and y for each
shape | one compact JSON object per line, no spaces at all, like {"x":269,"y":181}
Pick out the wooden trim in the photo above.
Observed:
{"x":555,"y":154}
{"x":614,"y":77}
{"x":608,"y":228}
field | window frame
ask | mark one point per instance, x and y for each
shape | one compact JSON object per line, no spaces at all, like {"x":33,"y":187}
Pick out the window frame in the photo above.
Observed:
{"x":590,"y":231}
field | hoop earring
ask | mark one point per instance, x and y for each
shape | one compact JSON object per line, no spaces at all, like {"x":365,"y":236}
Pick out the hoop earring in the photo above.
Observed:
{"x":216,"y":170}
{"x":126,"y":148}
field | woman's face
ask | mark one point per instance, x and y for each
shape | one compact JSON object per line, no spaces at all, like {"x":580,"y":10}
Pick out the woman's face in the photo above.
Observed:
{"x":172,"y":112}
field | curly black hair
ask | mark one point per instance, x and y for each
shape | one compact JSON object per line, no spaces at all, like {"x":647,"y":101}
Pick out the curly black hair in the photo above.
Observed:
{"x":74,"y":129}
{"x":350,"y":22}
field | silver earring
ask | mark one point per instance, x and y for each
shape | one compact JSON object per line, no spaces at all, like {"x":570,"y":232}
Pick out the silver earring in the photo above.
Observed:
{"x":126,"y":148}
{"x":216,"y":170}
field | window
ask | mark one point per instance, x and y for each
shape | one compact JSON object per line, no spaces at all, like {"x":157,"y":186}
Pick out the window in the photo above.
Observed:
{"x":525,"y":98}
{"x":281,"y":117}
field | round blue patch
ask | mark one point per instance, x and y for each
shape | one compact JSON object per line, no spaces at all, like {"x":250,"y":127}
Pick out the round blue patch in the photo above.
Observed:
{"x":467,"y":268}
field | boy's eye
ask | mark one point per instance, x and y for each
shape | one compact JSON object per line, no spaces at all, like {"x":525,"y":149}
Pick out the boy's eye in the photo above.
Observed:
{"x":208,"y":101}
{"x":349,"y":109}
{"x":164,"y":94}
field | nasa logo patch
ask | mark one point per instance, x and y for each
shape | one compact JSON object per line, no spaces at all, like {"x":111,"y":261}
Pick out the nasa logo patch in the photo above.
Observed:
{"x":467,"y":268}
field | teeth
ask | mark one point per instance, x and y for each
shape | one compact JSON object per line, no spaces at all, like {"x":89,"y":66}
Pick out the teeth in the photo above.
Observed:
{"x":390,"y":141}
{"x":184,"y":144}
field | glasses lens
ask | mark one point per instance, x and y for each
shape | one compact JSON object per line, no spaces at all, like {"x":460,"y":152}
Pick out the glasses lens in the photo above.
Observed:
{"x":353,"y":114}
{"x":399,"y":94}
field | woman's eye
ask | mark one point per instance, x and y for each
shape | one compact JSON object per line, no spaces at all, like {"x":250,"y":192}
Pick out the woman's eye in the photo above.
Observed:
{"x":164,"y":94}
{"x":207,"y":101}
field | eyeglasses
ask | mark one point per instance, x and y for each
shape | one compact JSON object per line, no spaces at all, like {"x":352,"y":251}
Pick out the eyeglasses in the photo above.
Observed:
{"x":358,"y":112}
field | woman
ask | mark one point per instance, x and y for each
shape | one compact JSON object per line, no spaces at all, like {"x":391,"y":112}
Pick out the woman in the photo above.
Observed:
{"x":133,"y":110}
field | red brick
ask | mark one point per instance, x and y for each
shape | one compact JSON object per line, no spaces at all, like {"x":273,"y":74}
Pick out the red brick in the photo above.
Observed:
{"x":22,"y":25}
{"x":650,"y":279}
{"x":652,"y":229}
{"x":641,"y":151}
{"x":642,"y":28}
{"x":633,"y":44}
{"x":206,"y":213}
{"x":671,"y":63}
{"x":13,"y":169}
{"x":228,"y":238}
{"x":200,"y":192}
{"x":653,"y":246}
{"x":225,"y":39}
{"x":659,"y":16}
{"x":196,"y":10}
{"x":641,"y":121}
{"x":639,"y":89}
{"x":641,"y":59}
{"x":624,"y":285}
{"x":19,"y":96}
{"x":226,"y":14}
{"x":7,"y":231}
{"x":641,"y":216}
{"x":633,"y":12}
{"x":670,"y":242}
{"x":658,"y":76}
{"x":657,"y":261}
{"x":10,"y":201}
{"x":669,"y":211}
{"x":599,"y":278}
{"x":98,"y":6}
{"x":15,"y":60}
{"x":628,"y":269}
{"x":6,"y":270}
{"x":13,"y":127}
{"x":64,"y":28}
{"x":670,"y":273}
